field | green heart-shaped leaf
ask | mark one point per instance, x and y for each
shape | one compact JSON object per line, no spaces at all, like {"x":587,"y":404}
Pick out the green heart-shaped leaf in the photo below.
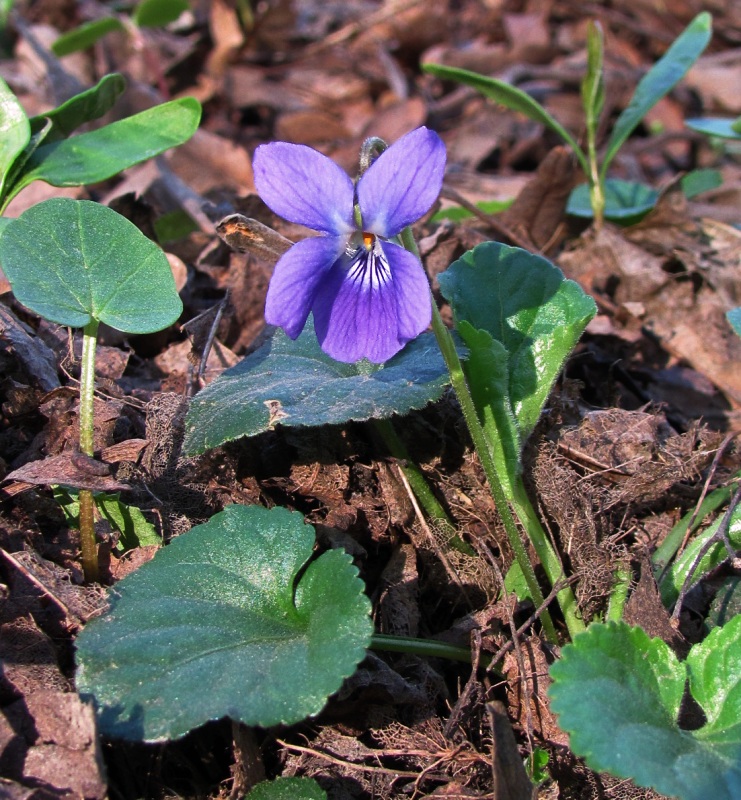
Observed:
{"x":72,"y":261}
{"x":219,"y":624}
{"x":526,"y":305}
{"x":295,"y":383}
{"x":618,"y":694}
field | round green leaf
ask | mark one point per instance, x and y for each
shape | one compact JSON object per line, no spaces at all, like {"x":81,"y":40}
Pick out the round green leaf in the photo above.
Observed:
{"x":72,"y":261}
{"x":626,"y":202}
{"x":527,"y":305}
{"x":295,"y":383}
{"x":618,"y":693}
{"x":715,"y":126}
{"x":288,"y":789}
{"x":218,"y":624}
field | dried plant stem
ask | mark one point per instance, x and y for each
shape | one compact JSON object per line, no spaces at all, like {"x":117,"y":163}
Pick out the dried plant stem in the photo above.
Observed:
{"x":87,"y":391}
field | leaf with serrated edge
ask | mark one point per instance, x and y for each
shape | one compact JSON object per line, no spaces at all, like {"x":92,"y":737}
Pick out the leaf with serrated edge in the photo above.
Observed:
{"x":294,"y":383}
{"x":222,"y":607}
{"x":618,"y":693}
{"x":525,"y":303}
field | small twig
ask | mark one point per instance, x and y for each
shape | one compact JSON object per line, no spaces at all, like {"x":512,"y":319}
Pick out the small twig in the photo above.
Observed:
{"x":31,"y":578}
{"x":188,"y":199}
{"x":457,"y":712}
{"x":347,"y":764}
{"x":489,"y":219}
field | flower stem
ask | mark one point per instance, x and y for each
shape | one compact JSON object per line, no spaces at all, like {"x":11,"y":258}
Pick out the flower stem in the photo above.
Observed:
{"x":460,"y":386}
{"x":87,"y":392}
{"x":429,"y":648}
{"x":619,"y":594}
{"x":548,"y":557}
{"x":421,"y":488}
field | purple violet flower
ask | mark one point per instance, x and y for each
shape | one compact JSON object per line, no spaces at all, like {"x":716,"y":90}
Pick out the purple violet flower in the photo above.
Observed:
{"x":369,"y":296}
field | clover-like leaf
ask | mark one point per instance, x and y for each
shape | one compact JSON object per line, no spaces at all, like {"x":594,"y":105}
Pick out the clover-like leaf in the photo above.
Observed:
{"x":72,"y":261}
{"x":618,"y":693}
{"x":97,"y":155}
{"x":527,"y":305}
{"x":295,"y":383}
{"x":222,"y":608}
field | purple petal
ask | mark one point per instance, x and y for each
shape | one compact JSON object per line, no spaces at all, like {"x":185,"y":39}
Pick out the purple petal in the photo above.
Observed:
{"x":304,"y":186}
{"x":294,"y":284}
{"x":374,"y":307}
{"x":402,"y":183}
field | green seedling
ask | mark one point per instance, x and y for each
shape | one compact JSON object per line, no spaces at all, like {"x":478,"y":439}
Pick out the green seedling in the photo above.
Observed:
{"x":657,"y":82}
{"x":133,"y":528}
{"x":618,"y":694}
{"x":518,"y":334}
{"x":79,"y":264}
{"x":41,"y":148}
{"x":146,"y":14}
